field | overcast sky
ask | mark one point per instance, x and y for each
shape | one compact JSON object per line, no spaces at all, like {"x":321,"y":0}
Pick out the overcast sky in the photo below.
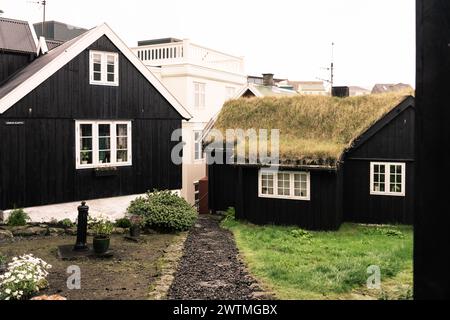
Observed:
{"x":375,"y":39}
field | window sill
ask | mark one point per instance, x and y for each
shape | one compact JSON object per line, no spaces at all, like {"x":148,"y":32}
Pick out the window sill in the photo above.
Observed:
{"x":387,"y":194}
{"x":105,"y":84}
{"x":285,"y":198}
{"x":104,"y":167}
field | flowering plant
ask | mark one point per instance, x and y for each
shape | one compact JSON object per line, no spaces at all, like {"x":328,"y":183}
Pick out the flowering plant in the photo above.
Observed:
{"x":25,"y":276}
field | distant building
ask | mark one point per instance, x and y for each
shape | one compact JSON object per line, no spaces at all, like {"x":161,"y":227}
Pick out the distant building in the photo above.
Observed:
{"x":309,"y":88}
{"x":259,"y":80}
{"x":58,"y":31}
{"x":358,"y":91}
{"x":267,"y":87}
{"x":383,"y":88}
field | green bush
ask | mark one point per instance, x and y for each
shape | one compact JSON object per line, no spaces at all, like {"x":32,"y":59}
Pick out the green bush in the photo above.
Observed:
{"x":124,"y":223}
{"x":301,"y":234}
{"x":384,"y":231}
{"x":66,"y":223}
{"x":18,"y":218}
{"x":164,"y":211}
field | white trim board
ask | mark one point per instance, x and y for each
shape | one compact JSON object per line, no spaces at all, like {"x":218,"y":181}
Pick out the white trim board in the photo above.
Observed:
{"x":73,"y":51}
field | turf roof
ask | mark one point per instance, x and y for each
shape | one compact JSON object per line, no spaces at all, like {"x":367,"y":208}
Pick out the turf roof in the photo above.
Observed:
{"x":314,"y":130}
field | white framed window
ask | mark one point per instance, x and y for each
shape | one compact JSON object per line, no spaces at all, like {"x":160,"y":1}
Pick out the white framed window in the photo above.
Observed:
{"x":388,"y":179}
{"x":104,"y":68}
{"x":284,"y":185}
{"x":198,"y":146}
{"x":230,"y":93}
{"x":103,"y":144}
{"x":199,"y":94}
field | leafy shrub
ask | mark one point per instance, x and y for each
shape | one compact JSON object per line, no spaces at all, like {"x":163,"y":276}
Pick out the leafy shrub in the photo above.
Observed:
{"x":101,"y":227}
{"x":164,"y":211}
{"x":25,"y":276}
{"x":301,"y":234}
{"x":124,"y":223}
{"x":66,"y":223}
{"x":18,"y":218}
{"x":230,"y":214}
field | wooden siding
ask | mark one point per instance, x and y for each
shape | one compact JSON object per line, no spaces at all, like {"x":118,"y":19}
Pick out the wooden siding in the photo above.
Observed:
{"x":320,"y":213}
{"x":37,"y":159}
{"x":432,"y":218}
{"x":393,"y":143}
{"x":11,"y":62}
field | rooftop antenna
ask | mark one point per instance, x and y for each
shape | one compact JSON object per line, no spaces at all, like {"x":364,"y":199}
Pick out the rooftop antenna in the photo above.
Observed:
{"x":331,"y":68}
{"x":43,"y":3}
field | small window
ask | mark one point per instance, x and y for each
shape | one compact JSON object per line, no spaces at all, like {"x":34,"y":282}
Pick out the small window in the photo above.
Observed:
{"x":284,"y":185}
{"x":199,"y":154}
{"x":387,"y":179}
{"x":199,"y":95}
{"x":104,"y":68}
{"x":103,"y":143}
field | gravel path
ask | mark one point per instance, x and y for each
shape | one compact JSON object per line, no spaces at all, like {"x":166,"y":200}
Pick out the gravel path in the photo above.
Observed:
{"x":210,"y":268}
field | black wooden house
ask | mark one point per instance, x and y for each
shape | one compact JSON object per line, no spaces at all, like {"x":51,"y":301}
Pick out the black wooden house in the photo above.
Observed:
{"x":85,"y":120}
{"x":361,"y":170}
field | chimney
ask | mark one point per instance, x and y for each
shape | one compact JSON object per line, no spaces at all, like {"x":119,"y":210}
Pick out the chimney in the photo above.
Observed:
{"x":340,"y":92}
{"x":268,"y":79}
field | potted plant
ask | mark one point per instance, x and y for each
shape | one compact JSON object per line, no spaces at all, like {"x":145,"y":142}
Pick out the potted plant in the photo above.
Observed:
{"x":85,"y":156}
{"x":135,"y":229}
{"x":102,"y":229}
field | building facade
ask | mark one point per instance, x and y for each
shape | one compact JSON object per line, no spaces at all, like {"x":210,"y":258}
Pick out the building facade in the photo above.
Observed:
{"x":202,"y":79}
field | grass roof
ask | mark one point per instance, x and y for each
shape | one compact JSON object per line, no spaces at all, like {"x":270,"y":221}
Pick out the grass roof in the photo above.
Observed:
{"x":314,"y":130}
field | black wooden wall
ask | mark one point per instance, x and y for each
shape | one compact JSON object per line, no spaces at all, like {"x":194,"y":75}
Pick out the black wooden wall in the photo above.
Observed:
{"x":37,"y":158}
{"x":321,"y":213}
{"x":11,"y":62}
{"x":432,"y":219}
{"x":393,"y":143}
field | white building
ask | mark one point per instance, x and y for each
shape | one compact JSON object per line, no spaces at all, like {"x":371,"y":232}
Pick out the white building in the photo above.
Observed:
{"x":202,"y":79}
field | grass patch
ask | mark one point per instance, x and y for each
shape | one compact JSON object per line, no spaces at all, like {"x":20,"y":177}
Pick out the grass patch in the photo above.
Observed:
{"x":298,"y":265}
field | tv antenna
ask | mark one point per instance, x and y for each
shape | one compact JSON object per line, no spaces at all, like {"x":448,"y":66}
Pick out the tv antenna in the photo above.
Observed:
{"x":43,"y":3}
{"x":331,"y":68}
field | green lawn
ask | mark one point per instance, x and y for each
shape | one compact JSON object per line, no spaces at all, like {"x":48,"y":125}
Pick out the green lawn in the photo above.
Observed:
{"x":327,"y":265}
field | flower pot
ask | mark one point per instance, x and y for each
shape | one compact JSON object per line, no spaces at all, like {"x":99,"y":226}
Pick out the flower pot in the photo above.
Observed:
{"x":135,"y":231}
{"x":101,"y":244}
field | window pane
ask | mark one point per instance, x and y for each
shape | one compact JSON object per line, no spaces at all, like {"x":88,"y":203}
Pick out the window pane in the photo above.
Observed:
{"x":267,"y":184}
{"x":122,"y":130}
{"x":110,"y":77}
{"x":97,"y":76}
{"x":103,"y":130}
{"x":122,"y":143}
{"x":122,"y":156}
{"x":284,"y":184}
{"x":97,"y":67}
{"x":86,"y":144}
{"x":86,"y":157}
{"x":104,"y":143}
{"x":104,"y":156}
{"x":86,"y":130}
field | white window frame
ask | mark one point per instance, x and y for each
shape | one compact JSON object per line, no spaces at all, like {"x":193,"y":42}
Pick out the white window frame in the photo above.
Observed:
{"x":95,"y":144}
{"x":198,"y":142}
{"x":199,"y":95}
{"x":387,"y":179}
{"x":292,"y":185}
{"x":104,"y":68}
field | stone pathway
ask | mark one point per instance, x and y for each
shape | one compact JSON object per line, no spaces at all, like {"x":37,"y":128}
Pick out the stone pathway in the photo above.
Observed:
{"x":210,"y":268}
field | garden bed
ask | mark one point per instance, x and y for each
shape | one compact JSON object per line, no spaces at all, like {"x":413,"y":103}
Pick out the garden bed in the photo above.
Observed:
{"x":128,"y":275}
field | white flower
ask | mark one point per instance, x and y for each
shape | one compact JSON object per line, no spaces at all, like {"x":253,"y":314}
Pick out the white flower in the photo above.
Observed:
{"x":8,"y":291}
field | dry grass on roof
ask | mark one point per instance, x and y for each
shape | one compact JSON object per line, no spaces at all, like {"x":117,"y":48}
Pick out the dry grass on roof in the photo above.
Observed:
{"x":313,"y":129}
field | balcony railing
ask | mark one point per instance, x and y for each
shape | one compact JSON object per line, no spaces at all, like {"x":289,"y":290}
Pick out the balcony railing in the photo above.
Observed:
{"x":186,"y":52}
